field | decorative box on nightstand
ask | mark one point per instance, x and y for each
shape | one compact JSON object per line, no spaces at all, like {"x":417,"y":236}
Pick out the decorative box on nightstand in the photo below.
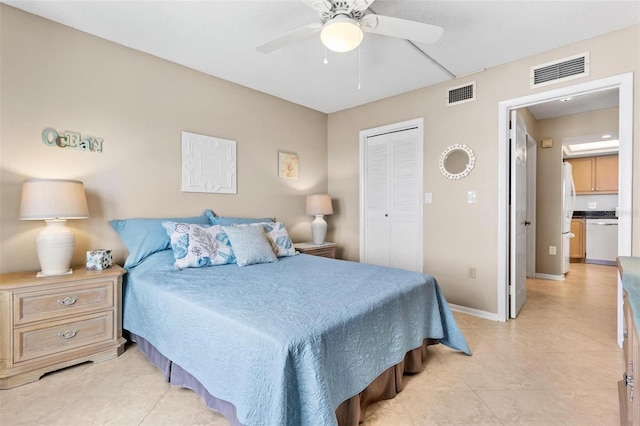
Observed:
{"x":323,"y":250}
{"x":54,"y":322}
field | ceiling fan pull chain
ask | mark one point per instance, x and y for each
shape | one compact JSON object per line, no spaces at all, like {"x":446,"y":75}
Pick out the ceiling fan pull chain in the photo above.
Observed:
{"x":325,"y":57}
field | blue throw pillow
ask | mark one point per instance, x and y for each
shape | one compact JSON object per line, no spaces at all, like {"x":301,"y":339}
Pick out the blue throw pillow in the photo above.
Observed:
{"x":229,"y":220}
{"x":144,"y":236}
{"x":278,"y":236}
{"x":250,"y":245}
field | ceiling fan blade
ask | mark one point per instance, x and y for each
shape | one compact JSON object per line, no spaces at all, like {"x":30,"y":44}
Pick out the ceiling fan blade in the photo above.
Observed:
{"x":361,"y":4}
{"x":401,"y":28}
{"x":290,"y":37}
{"x":321,"y":6}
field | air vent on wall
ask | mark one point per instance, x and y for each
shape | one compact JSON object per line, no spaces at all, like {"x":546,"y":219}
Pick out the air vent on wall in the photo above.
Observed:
{"x":461,"y":94}
{"x":560,"y":70}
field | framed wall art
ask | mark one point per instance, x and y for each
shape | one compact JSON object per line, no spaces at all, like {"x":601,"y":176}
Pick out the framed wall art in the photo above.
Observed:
{"x":208,"y":164}
{"x":287,"y":165}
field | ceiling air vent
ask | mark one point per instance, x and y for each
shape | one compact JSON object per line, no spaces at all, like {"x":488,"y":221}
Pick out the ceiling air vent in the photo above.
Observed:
{"x":560,"y":70}
{"x":461,"y":94}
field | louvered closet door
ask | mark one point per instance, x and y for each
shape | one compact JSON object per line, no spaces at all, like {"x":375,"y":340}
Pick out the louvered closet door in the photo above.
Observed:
{"x":392,"y":197}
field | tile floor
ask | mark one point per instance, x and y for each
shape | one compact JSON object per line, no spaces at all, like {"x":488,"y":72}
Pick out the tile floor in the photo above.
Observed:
{"x":557,"y":364}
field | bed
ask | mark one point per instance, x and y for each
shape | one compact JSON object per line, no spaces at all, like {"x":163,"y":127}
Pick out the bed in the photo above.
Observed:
{"x":302,"y":340}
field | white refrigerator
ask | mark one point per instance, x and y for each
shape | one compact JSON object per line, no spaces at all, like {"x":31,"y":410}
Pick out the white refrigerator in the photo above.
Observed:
{"x":568,"y":203}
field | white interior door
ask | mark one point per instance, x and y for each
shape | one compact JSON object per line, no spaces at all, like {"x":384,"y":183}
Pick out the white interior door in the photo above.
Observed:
{"x":406,"y":201}
{"x":391,"y":196}
{"x":377,"y":231}
{"x":518,"y":213}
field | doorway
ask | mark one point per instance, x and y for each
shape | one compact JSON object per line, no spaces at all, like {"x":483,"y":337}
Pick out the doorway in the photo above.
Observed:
{"x":624,"y":83}
{"x":532,"y":164}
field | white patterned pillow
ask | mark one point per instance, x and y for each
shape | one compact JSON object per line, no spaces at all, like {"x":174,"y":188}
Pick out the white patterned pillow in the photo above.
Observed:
{"x":250,"y":245}
{"x":278,"y":237}
{"x":195,"y":246}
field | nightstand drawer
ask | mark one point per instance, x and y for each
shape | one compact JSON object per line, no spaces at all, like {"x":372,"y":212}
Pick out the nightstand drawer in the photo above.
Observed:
{"x":54,"y":337}
{"x":46,"y":304}
{"x":322,"y":250}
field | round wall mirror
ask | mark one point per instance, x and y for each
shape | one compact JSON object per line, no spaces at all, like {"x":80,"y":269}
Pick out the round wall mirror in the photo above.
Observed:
{"x":457,"y":161}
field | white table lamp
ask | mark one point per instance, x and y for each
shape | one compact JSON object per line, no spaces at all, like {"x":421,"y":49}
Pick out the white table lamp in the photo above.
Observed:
{"x":54,"y":201}
{"x":318,"y":206}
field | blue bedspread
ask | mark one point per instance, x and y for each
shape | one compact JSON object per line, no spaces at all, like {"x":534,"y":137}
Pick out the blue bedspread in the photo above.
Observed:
{"x":285,"y":342}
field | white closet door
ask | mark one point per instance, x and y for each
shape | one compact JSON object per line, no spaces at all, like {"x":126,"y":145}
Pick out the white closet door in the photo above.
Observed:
{"x":406,"y":214}
{"x":377,"y":190}
{"x":392,"y":199}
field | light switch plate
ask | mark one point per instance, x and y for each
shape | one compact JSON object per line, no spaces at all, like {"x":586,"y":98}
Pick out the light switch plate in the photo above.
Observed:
{"x":428,"y":198}
{"x":471,"y":197}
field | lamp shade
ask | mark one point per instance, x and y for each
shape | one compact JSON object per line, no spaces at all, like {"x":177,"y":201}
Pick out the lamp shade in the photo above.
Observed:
{"x":44,"y":199}
{"x":341,"y":34}
{"x":319,"y":204}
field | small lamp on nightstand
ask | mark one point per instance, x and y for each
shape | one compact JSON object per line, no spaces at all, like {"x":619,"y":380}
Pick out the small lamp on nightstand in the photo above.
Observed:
{"x":54,"y":201}
{"x":318,"y":206}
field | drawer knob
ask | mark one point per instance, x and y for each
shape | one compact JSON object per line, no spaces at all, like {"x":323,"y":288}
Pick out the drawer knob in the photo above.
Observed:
{"x":68,"y":301}
{"x":628,"y":382}
{"x":69,"y":334}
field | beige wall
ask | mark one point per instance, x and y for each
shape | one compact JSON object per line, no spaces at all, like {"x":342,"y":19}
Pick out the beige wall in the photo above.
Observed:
{"x":457,"y":234}
{"x":549,"y":176}
{"x":54,"y":76}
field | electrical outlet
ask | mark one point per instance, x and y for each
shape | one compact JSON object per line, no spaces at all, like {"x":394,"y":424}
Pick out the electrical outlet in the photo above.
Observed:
{"x":552,"y":250}
{"x":592,"y":205}
{"x":471,"y":272}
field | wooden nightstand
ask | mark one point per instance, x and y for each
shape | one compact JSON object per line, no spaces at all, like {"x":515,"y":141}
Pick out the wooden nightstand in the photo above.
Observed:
{"x":323,"y":250}
{"x":54,"y":322}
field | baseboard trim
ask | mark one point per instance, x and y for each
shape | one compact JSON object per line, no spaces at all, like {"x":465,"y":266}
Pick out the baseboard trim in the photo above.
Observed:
{"x":550,"y":277}
{"x":601,"y":262}
{"x":474,"y":312}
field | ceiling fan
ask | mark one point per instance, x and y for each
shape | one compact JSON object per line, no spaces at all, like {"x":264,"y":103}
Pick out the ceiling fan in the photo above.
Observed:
{"x":344,"y":21}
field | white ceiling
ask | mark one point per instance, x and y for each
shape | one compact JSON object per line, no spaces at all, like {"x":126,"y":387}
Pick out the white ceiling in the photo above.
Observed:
{"x":220,"y":37}
{"x":577,"y":104}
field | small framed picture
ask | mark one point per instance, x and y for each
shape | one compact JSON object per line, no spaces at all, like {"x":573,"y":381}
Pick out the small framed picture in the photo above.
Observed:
{"x":287,"y":165}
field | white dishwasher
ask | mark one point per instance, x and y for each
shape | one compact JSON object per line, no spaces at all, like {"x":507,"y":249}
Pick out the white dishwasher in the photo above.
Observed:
{"x":602,"y":241}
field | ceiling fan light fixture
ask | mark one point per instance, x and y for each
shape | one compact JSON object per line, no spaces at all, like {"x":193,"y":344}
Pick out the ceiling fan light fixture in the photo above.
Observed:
{"x":341,"y":34}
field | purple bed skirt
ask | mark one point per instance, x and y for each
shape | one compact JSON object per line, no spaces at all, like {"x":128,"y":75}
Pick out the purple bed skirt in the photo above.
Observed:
{"x":177,"y":376}
{"x":350,"y":413}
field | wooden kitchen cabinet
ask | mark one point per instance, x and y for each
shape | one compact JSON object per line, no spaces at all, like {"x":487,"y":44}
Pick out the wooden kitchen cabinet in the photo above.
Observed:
{"x":577,"y":248}
{"x":595,"y":174}
{"x":606,"y":176}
